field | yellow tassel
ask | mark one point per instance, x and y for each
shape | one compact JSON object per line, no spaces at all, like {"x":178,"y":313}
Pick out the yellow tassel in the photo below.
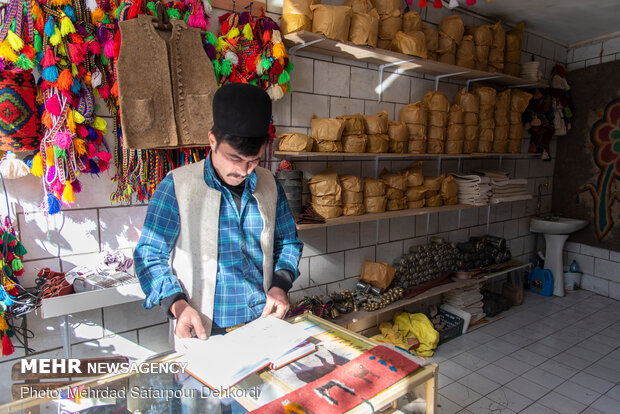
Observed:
{"x":247,"y":32}
{"x":15,"y":41}
{"x":98,"y":15}
{"x":80,"y":146}
{"x":62,"y":52}
{"x":49,"y":152}
{"x":279,"y":52}
{"x":37,"y":165}
{"x":66,"y":26}
{"x":71,"y":121}
{"x":56,"y":37}
{"x":74,"y":70}
{"x":221,"y":44}
{"x":3,"y":324}
{"x":77,"y":117}
{"x":101,"y":125}
{"x":232,"y":33}
{"x":7,"y":52}
{"x":67,"y":194}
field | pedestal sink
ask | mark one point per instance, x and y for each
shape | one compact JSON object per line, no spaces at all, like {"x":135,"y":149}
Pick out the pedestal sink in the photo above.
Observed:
{"x":556,"y":231}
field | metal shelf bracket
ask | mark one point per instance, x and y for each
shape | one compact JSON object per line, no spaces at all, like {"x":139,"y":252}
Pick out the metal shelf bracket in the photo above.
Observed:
{"x":293,"y":50}
{"x":446,"y":75}
{"x":525,"y":85}
{"x":469,"y":81}
{"x":381,"y":68}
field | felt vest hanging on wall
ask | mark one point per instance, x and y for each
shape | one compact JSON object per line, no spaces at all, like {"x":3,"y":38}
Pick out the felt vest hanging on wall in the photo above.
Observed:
{"x":166,"y":85}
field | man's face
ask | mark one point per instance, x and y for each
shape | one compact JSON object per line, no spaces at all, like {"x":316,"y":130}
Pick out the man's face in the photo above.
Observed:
{"x":231,"y":166}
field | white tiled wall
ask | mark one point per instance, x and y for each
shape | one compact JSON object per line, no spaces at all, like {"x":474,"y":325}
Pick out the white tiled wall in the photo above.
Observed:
{"x":600,"y":268}
{"x":332,"y":257}
{"x":593,"y":54}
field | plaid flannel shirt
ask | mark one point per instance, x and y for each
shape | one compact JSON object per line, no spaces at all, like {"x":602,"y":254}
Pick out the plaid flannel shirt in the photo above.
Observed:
{"x":239,"y":292}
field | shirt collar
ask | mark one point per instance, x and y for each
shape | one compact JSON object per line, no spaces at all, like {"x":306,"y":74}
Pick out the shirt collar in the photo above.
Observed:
{"x":213,"y":181}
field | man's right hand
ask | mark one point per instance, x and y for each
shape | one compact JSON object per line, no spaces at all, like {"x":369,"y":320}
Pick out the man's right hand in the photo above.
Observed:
{"x":187,"y":319}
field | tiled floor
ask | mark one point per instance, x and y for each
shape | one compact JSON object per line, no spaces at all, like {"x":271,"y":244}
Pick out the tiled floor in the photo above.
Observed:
{"x":549,"y":355}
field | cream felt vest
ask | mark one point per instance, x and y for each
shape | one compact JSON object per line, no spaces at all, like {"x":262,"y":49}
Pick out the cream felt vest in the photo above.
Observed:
{"x":194,"y":259}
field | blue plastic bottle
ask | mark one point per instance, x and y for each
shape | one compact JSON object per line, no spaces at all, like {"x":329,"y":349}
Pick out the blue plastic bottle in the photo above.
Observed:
{"x":574,"y":267}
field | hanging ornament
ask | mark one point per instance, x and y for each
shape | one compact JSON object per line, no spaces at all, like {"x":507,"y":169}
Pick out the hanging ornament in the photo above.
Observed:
{"x":437,"y":4}
{"x":470,"y":2}
{"x":453,"y":4}
{"x":422,"y":3}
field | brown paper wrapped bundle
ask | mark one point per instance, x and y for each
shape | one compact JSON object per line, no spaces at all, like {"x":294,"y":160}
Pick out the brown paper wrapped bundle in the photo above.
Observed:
{"x":496,"y":57}
{"x":373,"y":187}
{"x":416,"y":131}
{"x":451,"y":201}
{"x":359,"y":6}
{"x":376,"y":124}
{"x":295,"y":142}
{"x":436,"y":133}
{"x":471,"y":132}
{"x":446,"y":45}
{"x":412,"y":22}
{"x":398,"y":147}
{"x":512,"y":69}
{"x":364,"y":28}
{"x":385,"y":44}
{"x":447,"y":58}
{"x":514,"y":146}
{"x":487,"y":123}
{"x":483,"y":35}
{"x":353,"y":209}
{"x":325,"y":183}
{"x":387,"y":6}
{"x":434,"y":201}
{"x":327,"y":200}
{"x":456,"y":115}
{"x":435,"y":146}
{"x":454,"y":147}
{"x":486,"y":112}
{"x":433,"y":183}
{"x":471,"y":118}
{"x":485,"y":146}
{"x":414,"y":113}
{"x":501,"y":133}
{"x":390,"y":24}
{"x":377,"y":274}
{"x":437,"y":119}
{"x":470,"y":102}
{"x":332,"y":21}
{"x":414,"y":174}
{"x":410,"y":44}
{"x":351,"y":183}
{"x":298,"y":7}
{"x":499,"y":37}
{"x":394,"y":180}
{"x":501,"y":119}
{"x":351,"y":197}
{"x":448,"y":188}
{"x":375,"y":204}
{"x":293,"y":22}
{"x":470,"y":146}
{"x":416,"y":193}
{"x":396,"y":204}
{"x":354,"y":143}
{"x":465,"y":52}
{"x":502,"y":101}
{"x":328,"y":212}
{"x":432,"y":38}
{"x":353,"y":124}
{"x":327,"y":146}
{"x":500,"y":146}
{"x":519,"y":101}
{"x":394,"y":194}
{"x":514,"y":40}
{"x":378,"y":143}
{"x":514,"y":117}
{"x":327,"y":129}
{"x":486,"y":134}
{"x":515,"y":131}
{"x":481,"y":65}
{"x":416,"y":204}
{"x":417,"y":146}
{"x":486,"y":95}
{"x":455,"y":132}
{"x":436,"y":101}
{"x":430,"y":55}
{"x":397,"y":131}
{"x":453,"y":27}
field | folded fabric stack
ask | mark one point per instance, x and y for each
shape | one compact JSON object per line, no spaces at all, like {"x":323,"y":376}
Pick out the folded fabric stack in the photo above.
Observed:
{"x":468,"y":299}
{"x":473,"y":189}
{"x":509,"y":190}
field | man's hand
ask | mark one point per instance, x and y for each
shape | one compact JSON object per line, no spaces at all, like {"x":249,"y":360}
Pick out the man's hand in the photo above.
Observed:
{"x":276,"y":299}
{"x":187,"y":319}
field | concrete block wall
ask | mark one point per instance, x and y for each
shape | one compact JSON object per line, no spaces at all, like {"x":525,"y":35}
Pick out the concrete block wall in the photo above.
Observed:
{"x":594,"y":53}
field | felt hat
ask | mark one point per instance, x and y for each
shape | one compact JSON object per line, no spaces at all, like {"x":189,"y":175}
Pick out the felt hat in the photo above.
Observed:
{"x":242,"y":110}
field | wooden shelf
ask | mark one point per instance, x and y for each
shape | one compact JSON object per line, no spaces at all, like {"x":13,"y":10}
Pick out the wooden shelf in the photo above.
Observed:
{"x":382,"y":57}
{"x":407,"y":156}
{"x":435,"y":291}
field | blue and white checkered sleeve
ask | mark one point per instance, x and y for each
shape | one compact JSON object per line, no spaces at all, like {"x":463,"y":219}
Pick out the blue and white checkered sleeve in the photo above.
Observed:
{"x":287,"y":247}
{"x":159,"y":235}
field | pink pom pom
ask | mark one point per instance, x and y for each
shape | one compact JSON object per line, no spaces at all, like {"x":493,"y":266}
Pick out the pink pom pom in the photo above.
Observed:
{"x":77,"y":186}
{"x":104,"y":91}
{"x":103,"y":166}
{"x":109,"y":49}
{"x":57,"y":187}
{"x":53,"y":106}
{"x":82,"y":131}
{"x":63,"y":140}
{"x":92,"y":151}
{"x":93,"y":47}
{"x":104,"y":156}
{"x":78,"y":53}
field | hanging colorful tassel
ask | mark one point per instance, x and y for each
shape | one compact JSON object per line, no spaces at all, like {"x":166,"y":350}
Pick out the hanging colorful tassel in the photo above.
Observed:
{"x":437,"y":4}
{"x":53,"y":205}
{"x":15,"y":41}
{"x":422,"y":3}
{"x":66,"y":26}
{"x":7,"y":345}
{"x":67,"y":194}
{"x":37,"y":165}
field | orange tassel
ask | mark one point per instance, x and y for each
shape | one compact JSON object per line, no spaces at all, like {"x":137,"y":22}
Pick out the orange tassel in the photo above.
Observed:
{"x":65,"y":80}
{"x":114,"y":90}
{"x":284,"y":88}
{"x":71,"y":122}
{"x":266,"y":36}
{"x":49,"y":156}
{"x":47,"y":120}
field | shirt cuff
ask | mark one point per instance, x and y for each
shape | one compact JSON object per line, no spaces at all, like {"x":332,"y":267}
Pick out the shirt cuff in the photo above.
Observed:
{"x":167,"y":302}
{"x":283,"y":279}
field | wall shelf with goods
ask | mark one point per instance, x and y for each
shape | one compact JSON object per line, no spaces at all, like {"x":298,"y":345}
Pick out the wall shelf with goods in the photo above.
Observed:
{"x":352,"y":317}
{"x":317,"y":43}
{"x":296,"y":154}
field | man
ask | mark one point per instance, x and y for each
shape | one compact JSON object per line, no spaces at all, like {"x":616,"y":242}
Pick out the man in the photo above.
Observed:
{"x":219,"y":246}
